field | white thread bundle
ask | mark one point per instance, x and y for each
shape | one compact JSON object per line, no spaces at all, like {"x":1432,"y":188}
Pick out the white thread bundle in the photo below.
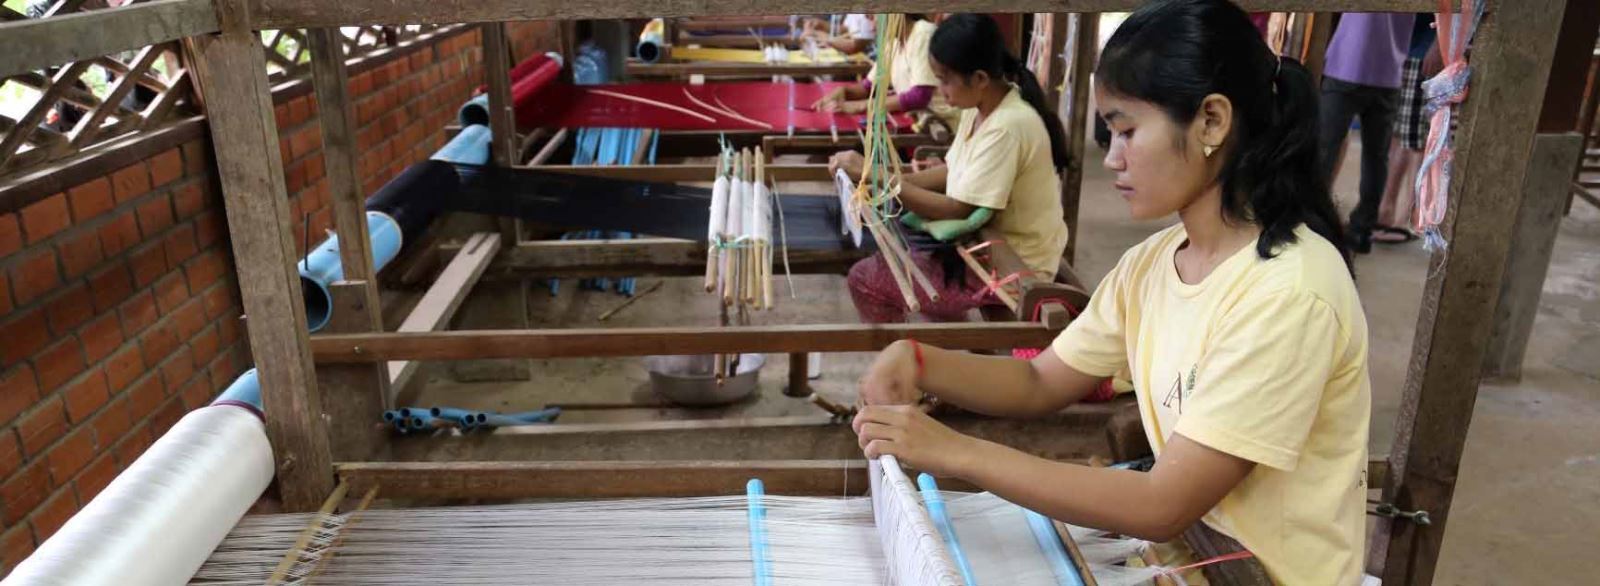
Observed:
{"x":663,"y":541}
{"x":719,"y":210}
{"x":738,"y":194}
{"x":916,"y":551}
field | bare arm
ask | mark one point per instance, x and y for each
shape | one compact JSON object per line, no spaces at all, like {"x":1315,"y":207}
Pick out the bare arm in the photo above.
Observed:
{"x":993,"y":385}
{"x":1188,"y":480}
{"x":933,"y":205}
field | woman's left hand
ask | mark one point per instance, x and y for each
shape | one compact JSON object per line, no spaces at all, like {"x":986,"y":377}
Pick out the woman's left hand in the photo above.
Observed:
{"x":917,"y":440}
{"x":852,"y":107}
{"x":851,"y":162}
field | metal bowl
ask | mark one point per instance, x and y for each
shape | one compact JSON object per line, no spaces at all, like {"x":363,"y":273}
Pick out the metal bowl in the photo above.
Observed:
{"x":689,"y":380}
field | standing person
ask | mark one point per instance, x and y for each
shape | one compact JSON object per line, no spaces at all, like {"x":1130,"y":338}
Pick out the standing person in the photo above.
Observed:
{"x":1410,"y":136}
{"x":1241,"y":324}
{"x":1361,"y":77}
{"x":1008,"y":151}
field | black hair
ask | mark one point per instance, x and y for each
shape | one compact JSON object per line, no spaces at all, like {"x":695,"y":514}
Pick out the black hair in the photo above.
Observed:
{"x":968,"y":43}
{"x":1174,"y":53}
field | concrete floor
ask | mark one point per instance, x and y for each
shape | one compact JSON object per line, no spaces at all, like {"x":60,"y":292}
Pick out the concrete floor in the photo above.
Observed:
{"x":1528,"y":500}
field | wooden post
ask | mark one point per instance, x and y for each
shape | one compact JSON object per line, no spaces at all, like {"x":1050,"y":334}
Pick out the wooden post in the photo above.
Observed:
{"x":1317,"y":45}
{"x":1511,"y":64}
{"x":1086,"y":43}
{"x":353,"y":395}
{"x":1544,"y":200}
{"x":502,"y":115}
{"x":332,"y":83}
{"x":798,"y":375}
{"x":1057,"y":64}
{"x":245,"y":137}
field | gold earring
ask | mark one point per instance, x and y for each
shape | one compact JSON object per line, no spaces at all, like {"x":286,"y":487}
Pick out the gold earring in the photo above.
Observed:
{"x":1210,"y":149}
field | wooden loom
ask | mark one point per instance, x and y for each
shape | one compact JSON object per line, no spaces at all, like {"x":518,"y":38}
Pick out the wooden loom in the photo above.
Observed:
{"x":304,"y":377}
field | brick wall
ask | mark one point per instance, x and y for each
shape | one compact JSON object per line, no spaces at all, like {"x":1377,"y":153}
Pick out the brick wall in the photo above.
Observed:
{"x":119,"y":307}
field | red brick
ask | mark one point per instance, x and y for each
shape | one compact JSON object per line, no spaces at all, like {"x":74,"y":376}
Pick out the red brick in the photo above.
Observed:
{"x":85,"y":396}
{"x":95,"y":477}
{"x":34,"y":276}
{"x":221,"y":301}
{"x":110,"y":286}
{"x":46,"y":217}
{"x":180,"y":245}
{"x":280,"y":116}
{"x":361,"y":84}
{"x":130,"y":182}
{"x":205,"y":269}
{"x":90,"y":199}
{"x":196,"y":158}
{"x":305,"y":141}
{"x":10,"y":453}
{"x":15,"y":546}
{"x":42,"y":427}
{"x":159,"y":342}
{"x":18,"y":390}
{"x":112,"y":422}
{"x":190,"y":318}
{"x":314,"y":168}
{"x":148,"y":262}
{"x":145,"y":397}
{"x":5,"y":294}
{"x":59,"y":363}
{"x":188,"y":200}
{"x":208,"y":229}
{"x":120,"y":234}
{"x":166,"y":416}
{"x":155,"y":216}
{"x":178,"y":369}
{"x":171,"y":292}
{"x":101,"y":337}
{"x":283,"y":148}
{"x":55,"y":513}
{"x":24,"y":335}
{"x":166,"y":168}
{"x":123,"y":368}
{"x":197,"y":393}
{"x":71,"y":455}
{"x":299,"y":109}
{"x":69,"y":309}
{"x":23,"y":492}
{"x":204,"y":346}
{"x":137,"y":313}
{"x":228,"y":331}
{"x":80,"y":252}
{"x":295,"y":177}
{"x":132,"y":446}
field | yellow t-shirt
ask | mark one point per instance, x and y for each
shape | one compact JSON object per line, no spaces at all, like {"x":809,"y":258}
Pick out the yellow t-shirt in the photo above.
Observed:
{"x":1005,"y":165}
{"x":1265,"y":360}
{"x":913,"y":66}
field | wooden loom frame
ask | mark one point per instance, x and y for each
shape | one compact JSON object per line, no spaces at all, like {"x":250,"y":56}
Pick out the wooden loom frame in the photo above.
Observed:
{"x":1511,"y":60}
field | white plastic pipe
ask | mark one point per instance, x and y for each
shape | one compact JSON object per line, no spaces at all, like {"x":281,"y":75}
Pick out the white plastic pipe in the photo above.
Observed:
{"x":158,"y":521}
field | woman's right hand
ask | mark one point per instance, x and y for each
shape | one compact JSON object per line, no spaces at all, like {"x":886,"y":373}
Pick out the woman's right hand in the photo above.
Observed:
{"x":829,"y":101}
{"x":892,"y":378}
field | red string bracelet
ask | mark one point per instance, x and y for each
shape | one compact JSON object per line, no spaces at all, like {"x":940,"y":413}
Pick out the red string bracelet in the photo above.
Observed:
{"x":916,"y":350}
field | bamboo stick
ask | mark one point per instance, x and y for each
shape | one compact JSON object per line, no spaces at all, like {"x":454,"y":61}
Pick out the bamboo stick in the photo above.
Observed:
{"x":999,"y":291}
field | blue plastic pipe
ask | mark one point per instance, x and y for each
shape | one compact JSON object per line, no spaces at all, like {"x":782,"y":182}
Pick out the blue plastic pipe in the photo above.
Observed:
{"x":1050,"y":543}
{"x":245,"y":390}
{"x":754,"y":490}
{"x":941,"y":519}
{"x":322,"y":266}
{"x":469,"y":147}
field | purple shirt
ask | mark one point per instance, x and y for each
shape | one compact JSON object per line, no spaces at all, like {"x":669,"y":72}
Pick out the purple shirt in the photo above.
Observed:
{"x":1369,"y":48}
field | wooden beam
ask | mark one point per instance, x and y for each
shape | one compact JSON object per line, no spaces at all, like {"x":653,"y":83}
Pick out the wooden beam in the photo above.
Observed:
{"x":1084,"y":55}
{"x":1569,"y":72}
{"x":697,"y":173}
{"x":332,"y":85}
{"x":353,"y":395}
{"x":1075,"y":434}
{"x":23,"y":189}
{"x":1317,"y":44}
{"x":245,"y":138}
{"x":522,"y":480}
{"x":274,"y":14}
{"x":580,"y":343}
{"x":502,"y":117}
{"x":716,"y":69}
{"x":638,"y":257}
{"x":1511,"y":58}
{"x":438,"y":305}
{"x":36,"y":44}
{"x":734,"y":41}
{"x":1544,"y":201}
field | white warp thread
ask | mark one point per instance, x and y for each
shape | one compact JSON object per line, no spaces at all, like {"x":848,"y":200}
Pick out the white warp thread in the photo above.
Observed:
{"x":915,"y":549}
{"x":719,"y":210}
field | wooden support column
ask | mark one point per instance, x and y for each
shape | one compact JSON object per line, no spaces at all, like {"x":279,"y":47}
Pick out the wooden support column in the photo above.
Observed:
{"x":798,"y":375}
{"x":353,"y":395}
{"x":1085,"y":46}
{"x":502,"y":116}
{"x":1317,"y":45}
{"x":1544,"y":201}
{"x":1511,"y":64}
{"x":230,"y":70}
